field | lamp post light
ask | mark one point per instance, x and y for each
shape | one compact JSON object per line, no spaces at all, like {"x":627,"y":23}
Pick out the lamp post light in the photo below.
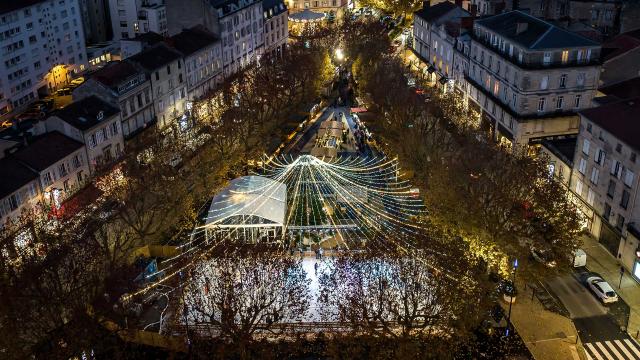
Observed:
{"x":339,"y":54}
{"x":511,"y":298}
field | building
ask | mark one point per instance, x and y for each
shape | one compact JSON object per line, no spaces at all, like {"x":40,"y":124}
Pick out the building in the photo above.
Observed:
{"x":621,"y":58}
{"x":276,"y":27}
{"x":43,"y":46}
{"x":529,"y":77}
{"x":316,"y":5}
{"x":19,"y":189}
{"x":96,"y":21}
{"x":560,"y":152}
{"x":622,"y":90}
{"x":96,"y":124}
{"x":59,"y":163}
{"x":132,"y":46}
{"x":601,"y":15}
{"x":251,"y":209}
{"x":436,"y":30}
{"x":127,"y":87}
{"x":130,"y":18}
{"x":605,"y":175}
{"x":166,"y":71}
{"x":202,"y":55}
{"x":101,"y":54}
{"x":490,"y":7}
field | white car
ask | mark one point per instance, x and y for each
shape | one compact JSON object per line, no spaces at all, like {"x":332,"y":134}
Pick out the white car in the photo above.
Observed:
{"x":602,"y":289}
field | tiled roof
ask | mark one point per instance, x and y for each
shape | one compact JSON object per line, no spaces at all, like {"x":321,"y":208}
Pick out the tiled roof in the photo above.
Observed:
{"x":7,"y":6}
{"x":46,"y":150}
{"x":431,"y":13}
{"x":155,"y":57}
{"x":623,"y":90}
{"x":83,"y":114}
{"x":538,"y":34}
{"x":115,"y":73}
{"x":619,"y":119}
{"x":191,"y":40}
{"x":14,"y":176}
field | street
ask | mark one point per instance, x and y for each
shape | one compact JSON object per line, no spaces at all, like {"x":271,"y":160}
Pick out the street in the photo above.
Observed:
{"x":601,"y":335}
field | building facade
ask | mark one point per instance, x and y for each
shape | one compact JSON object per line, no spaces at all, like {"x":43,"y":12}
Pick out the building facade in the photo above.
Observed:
{"x":19,"y":190}
{"x":43,"y":46}
{"x":126,"y":87}
{"x":165,"y":69}
{"x":605,"y":175}
{"x":130,"y":18}
{"x":96,"y":124}
{"x":202,"y":54}
{"x":276,"y":27}
{"x":96,"y":21}
{"x":530,"y":77}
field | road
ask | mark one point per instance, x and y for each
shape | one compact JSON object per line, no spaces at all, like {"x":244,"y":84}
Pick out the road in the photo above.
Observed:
{"x":602,"y":337}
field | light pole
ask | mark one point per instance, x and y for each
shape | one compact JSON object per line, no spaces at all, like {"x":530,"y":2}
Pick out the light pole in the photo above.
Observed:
{"x":513,"y":283}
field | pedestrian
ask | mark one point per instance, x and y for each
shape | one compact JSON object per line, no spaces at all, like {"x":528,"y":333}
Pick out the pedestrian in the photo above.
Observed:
{"x":315,"y":267}
{"x":320,"y":253}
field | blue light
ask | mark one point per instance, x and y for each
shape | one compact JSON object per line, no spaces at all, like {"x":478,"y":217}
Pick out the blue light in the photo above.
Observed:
{"x":515,"y":263}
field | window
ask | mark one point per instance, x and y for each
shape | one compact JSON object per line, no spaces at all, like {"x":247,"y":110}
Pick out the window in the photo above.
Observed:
{"x":76,"y":162}
{"x":559,"y":102}
{"x":583,"y":166}
{"x":541,"y":104}
{"x":168,"y":69}
{"x":616,"y":168}
{"x":590,"y":197}
{"x":565,"y":56}
{"x":607,"y":211}
{"x":46,"y":179}
{"x":579,"y":187}
{"x":576,"y":104}
{"x":93,"y":141}
{"x":619,"y":147}
{"x":546,"y":60}
{"x":595,"y":173}
{"x":515,"y":99}
{"x":628,"y":177}
{"x":544,"y":82}
{"x":157,"y":76}
{"x":611,"y":189}
{"x":620,"y":222}
{"x":114,"y":128}
{"x":80,"y":176}
{"x":580,"y":79}
{"x":599,"y":158}
{"x":139,"y":97}
{"x":585,"y":147}
{"x":624,"y":201}
{"x":632,"y":157}
{"x":563,"y":80}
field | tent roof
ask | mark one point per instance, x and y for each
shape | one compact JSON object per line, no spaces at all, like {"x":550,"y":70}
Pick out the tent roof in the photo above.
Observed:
{"x":251,"y":196}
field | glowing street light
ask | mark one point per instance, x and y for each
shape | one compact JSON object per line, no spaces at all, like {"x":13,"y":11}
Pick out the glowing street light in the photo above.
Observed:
{"x":339,"y":54}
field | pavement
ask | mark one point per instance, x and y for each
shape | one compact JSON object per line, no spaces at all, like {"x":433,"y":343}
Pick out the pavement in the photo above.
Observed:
{"x":547,"y":335}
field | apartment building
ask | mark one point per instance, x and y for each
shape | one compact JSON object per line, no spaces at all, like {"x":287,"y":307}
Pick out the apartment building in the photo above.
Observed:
{"x":202,"y":55}
{"x":165,"y":69}
{"x":621,"y":58}
{"x":276,"y":27}
{"x":127,"y":87}
{"x":95,"y":20}
{"x":96,"y":124}
{"x":605,"y":175}
{"x":491,"y":7}
{"x":529,"y":77}
{"x":436,"y":30}
{"x":42,"y":45}
{"x":19,"y":190}
{"x":132,"y":17}
{"x":59,"y":163}
{"x":316,"y":5}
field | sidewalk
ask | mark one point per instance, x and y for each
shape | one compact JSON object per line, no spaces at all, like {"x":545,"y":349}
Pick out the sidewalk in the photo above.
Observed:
{"x":601,"y":261}
{"x":547,"y":335}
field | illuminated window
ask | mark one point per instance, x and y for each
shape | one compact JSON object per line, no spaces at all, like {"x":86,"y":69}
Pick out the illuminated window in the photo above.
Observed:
{"x":565,"y":56}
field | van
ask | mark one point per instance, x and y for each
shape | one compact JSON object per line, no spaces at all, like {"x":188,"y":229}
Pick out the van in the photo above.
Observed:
{"x":579,"y":258}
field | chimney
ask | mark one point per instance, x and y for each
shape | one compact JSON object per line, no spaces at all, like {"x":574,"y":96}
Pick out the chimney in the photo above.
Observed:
{"x":521,"y":27}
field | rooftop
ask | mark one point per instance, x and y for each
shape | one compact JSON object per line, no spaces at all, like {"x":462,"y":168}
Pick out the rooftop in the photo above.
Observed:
{"x":115,"y":73}
{"x":148,"y":38}
{"x":191,"y":40}
{"x":537,"y":35}
{"x":84,"y":114}
{"x":7,"y":6}
{"x":620,"y":119}
{"x":278,"y":6}
{"x":621,"y":44}
{"x":46,"y":150}
{"x":432,"y":13}
{"x":623,"y":90}
{"x":563,"y":148}
{"x":15,"y":175}
{"x":155,"y":57}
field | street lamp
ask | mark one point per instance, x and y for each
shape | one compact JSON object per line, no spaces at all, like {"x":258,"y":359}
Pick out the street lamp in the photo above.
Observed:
{"x":339,"y":54}
{"x":513,"y":283}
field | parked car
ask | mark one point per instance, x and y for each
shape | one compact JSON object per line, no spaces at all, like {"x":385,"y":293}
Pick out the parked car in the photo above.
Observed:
{"x":63,"y":91}
{"x":603,"y":291}
{"x":544,"y":257}
{"x":579,"y":258}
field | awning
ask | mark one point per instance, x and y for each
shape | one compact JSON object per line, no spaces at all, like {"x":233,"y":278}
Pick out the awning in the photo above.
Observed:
{"x":358,"y":110}
{"x":431,"y":69}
